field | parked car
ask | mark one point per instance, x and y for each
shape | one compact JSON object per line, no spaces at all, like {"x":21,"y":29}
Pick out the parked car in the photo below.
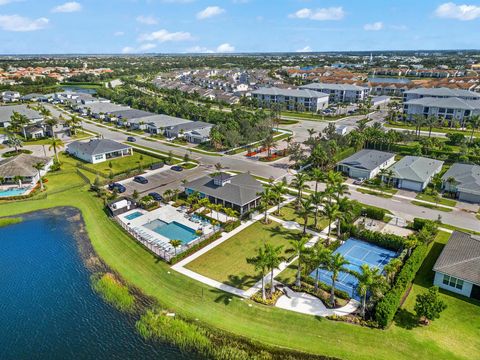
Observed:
{"x":358,"y":182}
{"x":118,"y":187}
{"x":177,"y":168}
{"x":131,"y":139}
{"x":140,"y":179}
{"x":156,"y":196}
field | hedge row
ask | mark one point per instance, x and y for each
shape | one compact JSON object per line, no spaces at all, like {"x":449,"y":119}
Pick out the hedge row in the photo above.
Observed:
{"x":374,"y":213}
{"x":389,"y":241}
{"x":387,"y":307}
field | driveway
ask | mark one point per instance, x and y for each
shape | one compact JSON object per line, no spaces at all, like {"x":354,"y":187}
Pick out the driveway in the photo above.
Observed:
{"x":163,"y":179}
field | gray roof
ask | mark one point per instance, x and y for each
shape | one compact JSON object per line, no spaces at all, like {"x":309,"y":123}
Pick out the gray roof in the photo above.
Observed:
{"x":367,"y":159}
{"x":191,"y":125}
{"x":451,"y":103}
{"x":443,"y":92}
{"x":416,"y":168}
{"x":241,"y":190}
{"x":7,"y":111}
{"x":96,"y":146}
{"x":273,"y":91}
{"x":21,"y":165}
{"x":130,"y":114}
{"x":161,"y":120}
{"x":467,"y":177}
{"x":336,"y":87}
{"x":103,"y":107}
{"x":460,"y":258}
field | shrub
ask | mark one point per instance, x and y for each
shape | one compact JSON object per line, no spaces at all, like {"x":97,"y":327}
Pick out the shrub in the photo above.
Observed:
{"x":231,"y":225}
{"x":387,"y":307}
{"x":389,"y":241}
{"x":375,"y":213}
{"x":257,"y":297}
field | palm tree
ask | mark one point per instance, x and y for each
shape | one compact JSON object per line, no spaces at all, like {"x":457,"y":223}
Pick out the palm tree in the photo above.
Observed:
{"x":367,"y":280}
{"x":19,"y":122}
{"x":39,"y":166}
{"x":475,"y":123}
{"x":167,"y":194}
{"x":331,"y":211}
{"x":279,"y":189}
{"x":318,"y":257}
{"x":316,"y":199}
{"x":304,"y":211}
{"x":51,"y":122}
{"x":265,"y":200}
{"x":430,"y":121}
{"x":176,"y":243}
{"x":452,"y":182}
{"x":336,"y":265}
{"x":261,"y":263}
{"x":274,"y":259}
{"x":317,"y":175}
{"x":299,"y":183}
{"x":14,"y":141}
{"x":419,"y":120}
{"x":56,"y":144}
{"x":298,"y":248}
{"x":392,"y":268}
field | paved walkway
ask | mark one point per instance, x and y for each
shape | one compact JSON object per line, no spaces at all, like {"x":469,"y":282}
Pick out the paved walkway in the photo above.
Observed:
{"x":308,"y":304}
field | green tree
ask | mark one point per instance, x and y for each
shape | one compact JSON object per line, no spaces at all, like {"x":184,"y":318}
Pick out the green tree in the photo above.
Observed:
{"x":274,"y":259}
{"x":304,"y":211}
{"x":39,"y":166}
{"x":176,"y":243}
{"x":300,"y":250}
{"x":299,"y":182}
{"x":318,"y":258}
{"x":369,"y":280}
{"x":56,"y":144}
{"x":261,"y":264}
{"x":336,"y":265}
{"x":428,"y":306}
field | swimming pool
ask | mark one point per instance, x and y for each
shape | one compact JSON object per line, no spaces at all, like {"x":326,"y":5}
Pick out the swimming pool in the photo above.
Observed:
{"x":172,"y":230}
{"x":133,"y":215}
{"x":13,"y":192}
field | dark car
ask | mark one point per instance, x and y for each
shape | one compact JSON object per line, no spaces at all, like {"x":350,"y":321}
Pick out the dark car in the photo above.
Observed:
{"x":177,"y":168}
{"x":156,"y":196}
{"x":131,"y":139}
{"x":140,"y":179}
{"x":118,"y":187}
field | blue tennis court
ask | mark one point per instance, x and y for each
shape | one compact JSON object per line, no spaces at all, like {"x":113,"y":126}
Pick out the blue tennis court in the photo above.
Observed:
{"x":357,"y":252}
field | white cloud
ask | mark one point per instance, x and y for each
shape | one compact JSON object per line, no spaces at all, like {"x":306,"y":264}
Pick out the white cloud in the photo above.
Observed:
{"x":305,"y":49}
{"x":331,"y":13}
{"x":118,"y":33}
{"x":20,"y":23}
{"x":376,"y":26}
{"x":209,"y":12}
{"x":68,"y":7}
{"x":225,"y":48}
{"x":147,"y":20}
{"x":165,"y":36}
{"x":222,"y":49}
{"x":459,"y":12}
{"x":141,"y":49}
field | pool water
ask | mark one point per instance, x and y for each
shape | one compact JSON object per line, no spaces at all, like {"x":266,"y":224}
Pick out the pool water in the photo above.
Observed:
{"x":133,"y":215}
{"x":172,"y":230}
{"x":13,"y":192}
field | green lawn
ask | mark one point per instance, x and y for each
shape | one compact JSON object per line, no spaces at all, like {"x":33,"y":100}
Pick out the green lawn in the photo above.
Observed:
{"x":441,"y":200}
{"x":272,"y":326}
{"x":227,"y":262}
{"x":431,"y":206}
{"x":121,"y":165}
{"x":384,"y":194}
{"x":457,"y":329}
{"x":288,"y":213}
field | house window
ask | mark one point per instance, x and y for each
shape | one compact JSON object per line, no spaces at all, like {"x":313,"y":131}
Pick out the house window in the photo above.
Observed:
{"x":98,"y":157}
{"x":453,"y":282}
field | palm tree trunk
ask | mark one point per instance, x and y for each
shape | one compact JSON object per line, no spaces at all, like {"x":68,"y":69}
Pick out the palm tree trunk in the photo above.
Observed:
{"x":316,"y":279}
{"x":299,"y":272}
{"x":271,"y":283}
{"x":263,"y":287}
{"x":315,"y":220}
{"x":364,"y":302}
{"x":338,"y":228}
{"x":332,"y":293}
{"x":41,"y":181}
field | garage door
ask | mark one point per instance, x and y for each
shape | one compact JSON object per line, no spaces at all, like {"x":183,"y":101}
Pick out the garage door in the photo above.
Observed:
{"x":359,"y":173}
{"x":469,"y":197}
{"x":411,"y":185}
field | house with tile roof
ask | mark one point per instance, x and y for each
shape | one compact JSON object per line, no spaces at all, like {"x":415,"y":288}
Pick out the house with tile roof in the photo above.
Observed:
{"x":457,"y":269}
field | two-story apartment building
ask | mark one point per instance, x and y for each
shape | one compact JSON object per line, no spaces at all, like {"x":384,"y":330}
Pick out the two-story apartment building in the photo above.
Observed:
{"x":292,"y":99}
{"x":340,"y":92}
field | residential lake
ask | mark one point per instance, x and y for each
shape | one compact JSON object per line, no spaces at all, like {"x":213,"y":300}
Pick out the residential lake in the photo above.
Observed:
{"x":48,"y":309}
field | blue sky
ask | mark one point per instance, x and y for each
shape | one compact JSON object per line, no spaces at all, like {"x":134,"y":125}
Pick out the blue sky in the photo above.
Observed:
{"x":166,"y":26}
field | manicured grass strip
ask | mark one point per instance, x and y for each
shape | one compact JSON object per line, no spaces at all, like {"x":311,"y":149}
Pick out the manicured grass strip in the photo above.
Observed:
{"x":451,"y":227}
{"x":227,"y":262}
{"x":441,"y":200}
{"x":10,"y":221}
{"x":431,"y":206}
{"x":376,"y":193}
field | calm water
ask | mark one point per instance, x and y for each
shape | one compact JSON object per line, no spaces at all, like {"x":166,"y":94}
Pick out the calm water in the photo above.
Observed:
{"x":47,"y":307}
{"x":78,"y":89}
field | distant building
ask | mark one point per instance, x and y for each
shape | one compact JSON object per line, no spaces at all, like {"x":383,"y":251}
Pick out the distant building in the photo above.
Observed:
{"x":292,"y":99}
{"x":457,"y":269}
{"x":414,"y":172}
{"x":465,"y":182}
{"x":451,"y":108}
{"x":440,"y":93}
{"x":10,"y":96}
{"x":240,"y":192}
{"x":366,"y":164}
{"x":6,"y":113}
{"x":98,"y":150}
{"x":340,"y":92}
{"x":187,"y":127}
